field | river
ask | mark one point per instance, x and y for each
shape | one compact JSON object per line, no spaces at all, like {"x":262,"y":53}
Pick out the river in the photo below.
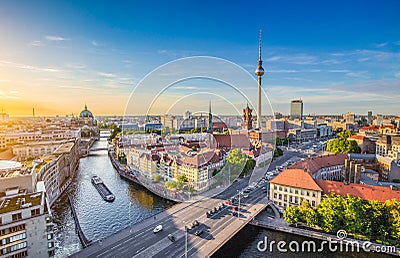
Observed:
{"x":98,"y":218}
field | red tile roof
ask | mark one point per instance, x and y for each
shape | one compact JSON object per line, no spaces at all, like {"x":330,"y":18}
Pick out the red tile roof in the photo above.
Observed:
{"x":296,"y":178}
{"x":369,"y":128}
{"x":232,"y":141}
{"x":316,"y":163}
{"x":366,"y":192}
{"x":357,"y":137}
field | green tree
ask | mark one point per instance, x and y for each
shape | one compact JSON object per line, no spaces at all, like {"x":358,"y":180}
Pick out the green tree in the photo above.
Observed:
{"x":171,"y":185}
{"x":292,"y":214}
{"x":308,"y":214}
{"x":182,"y":178}
{"x":157,"y":178}
{"x":342,"y":144}
{"x":330,"y":213}
{"x":393,"y":208}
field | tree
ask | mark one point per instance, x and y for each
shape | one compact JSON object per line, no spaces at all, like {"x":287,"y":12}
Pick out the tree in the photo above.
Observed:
{"x":182,"y":178}
{"x":393,"y":208}
{"x":308,"y":214}
{"x":342,"y":144}
{"x":292,"y":214}
{"x":157,"y":178}
{"x":278,"y":152}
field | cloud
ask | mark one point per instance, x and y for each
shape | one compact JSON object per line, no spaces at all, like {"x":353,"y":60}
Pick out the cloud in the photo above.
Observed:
{"x":107,"y":75}
{"x":162,"y":51}
{"x":9,"y":95}
{"x":55,"y":38}
{"x":397,"y":75}
{"x":380,"y":44}
{"x":95,"y":43}
{"x":28,"y":67}
{"x":76,"y":66}
{"x":361,"y":74}
{"x":35,"y":43}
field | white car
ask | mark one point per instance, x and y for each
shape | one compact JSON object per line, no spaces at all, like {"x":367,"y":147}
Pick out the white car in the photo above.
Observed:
{"x":157,"y":229}
{"x":245,"y":196}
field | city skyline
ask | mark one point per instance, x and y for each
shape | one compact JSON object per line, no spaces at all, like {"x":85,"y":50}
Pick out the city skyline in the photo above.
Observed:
{"x":337,"y":57}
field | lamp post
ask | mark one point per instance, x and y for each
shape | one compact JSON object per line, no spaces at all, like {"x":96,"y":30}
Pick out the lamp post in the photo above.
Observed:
{"x":186,"y":241}
{"x":238,"y":204}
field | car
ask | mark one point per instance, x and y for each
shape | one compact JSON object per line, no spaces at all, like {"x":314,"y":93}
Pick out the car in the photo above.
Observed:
{"x":157,"y":229}
{"x":228,"y":202}
{"x":195,"y":223}
{"x":199,"y":232}
{"x":234,"y":208}
{"x":189,"y":226}
{"x":215,"y":210}
{"x":263,"y":188}
{"x":245,"y":196}
{"x":171,"y":237}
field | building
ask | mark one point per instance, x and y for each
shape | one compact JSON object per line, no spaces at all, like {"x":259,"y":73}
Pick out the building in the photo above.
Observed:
{"x":247,"y":118}
{"x":388,"y":146}
{"x":56,"y":170}
{"x":303,"y":134}
{"x":370,"y":118}
{"x":292,"y":186}
{"x":350,"y":118}
{"x":296,"y":109}
{"x":366,"y":145}
{"x":33,"y":150}
{"x":379,"y":119}
{"x":4,"y":117}
{"x":26,"y":228}
{"x":328,"y":167}
{"x":324,"y":130}
{"x":365,"y":192}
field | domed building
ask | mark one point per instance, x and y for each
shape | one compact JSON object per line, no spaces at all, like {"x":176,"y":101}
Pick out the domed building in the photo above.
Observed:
{"x":86,"y":113}
{"x":87,"y":123}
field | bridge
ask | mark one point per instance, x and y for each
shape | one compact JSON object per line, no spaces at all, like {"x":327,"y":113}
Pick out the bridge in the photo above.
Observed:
{"x":140,"y":241}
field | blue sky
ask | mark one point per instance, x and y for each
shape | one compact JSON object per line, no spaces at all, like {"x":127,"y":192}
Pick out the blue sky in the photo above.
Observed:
{"x":338,"y":56}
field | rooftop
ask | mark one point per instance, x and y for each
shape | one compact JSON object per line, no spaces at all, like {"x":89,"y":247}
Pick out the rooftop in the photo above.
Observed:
{"x":314,"y":164}
{"x":9,"y":204}
{"x":366,"y":192}
{"x":296,"y":178}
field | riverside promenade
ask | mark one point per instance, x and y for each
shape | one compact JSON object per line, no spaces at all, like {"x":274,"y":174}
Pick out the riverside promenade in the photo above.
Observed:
{"x":264,"y":220}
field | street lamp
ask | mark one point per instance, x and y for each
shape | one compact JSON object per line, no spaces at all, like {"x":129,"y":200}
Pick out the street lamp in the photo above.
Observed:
{"x":238,"y":204}
{"x":186,"y":237}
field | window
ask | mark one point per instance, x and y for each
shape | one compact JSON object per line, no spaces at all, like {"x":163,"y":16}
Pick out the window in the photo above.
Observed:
{"x":16,"y":216}
{"x":35,"y":212}
{"x":296,"y":191}
{"x":313,"y":194}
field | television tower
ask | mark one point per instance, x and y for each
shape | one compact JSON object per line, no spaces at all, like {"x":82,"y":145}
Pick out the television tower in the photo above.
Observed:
{"x":259,"y":72}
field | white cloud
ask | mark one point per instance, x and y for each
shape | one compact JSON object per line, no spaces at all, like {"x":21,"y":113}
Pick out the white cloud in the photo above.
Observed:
{"x":28,"y":67}
{"x":397,"y":74}
{"x":361,"y":74}
{"x":55,"y":38}
{"x":95,"y":43}
{"x":76,"y":66}
{"x":162,"y":51}
{"x":107,"y":75}
{"x":35,"y":43}
{"x":9,"y":95}
{"x":381,"y":44}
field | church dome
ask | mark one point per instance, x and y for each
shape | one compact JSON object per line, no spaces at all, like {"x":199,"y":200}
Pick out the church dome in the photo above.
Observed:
{"x":86,"y":113}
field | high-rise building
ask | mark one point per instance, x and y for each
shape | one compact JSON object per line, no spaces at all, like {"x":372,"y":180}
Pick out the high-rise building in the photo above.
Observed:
{"x":379,"y":119}
{"x":296,"y":109}
{"x":370,"y":117}
{"x":210,"y":123}
{"x":350,"y":117}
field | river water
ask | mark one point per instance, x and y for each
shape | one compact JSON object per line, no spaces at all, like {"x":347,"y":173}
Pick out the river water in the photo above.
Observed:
{"x":100,"y":219}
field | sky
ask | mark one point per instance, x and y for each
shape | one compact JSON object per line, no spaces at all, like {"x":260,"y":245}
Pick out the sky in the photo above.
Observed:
{"x":337,"y":56}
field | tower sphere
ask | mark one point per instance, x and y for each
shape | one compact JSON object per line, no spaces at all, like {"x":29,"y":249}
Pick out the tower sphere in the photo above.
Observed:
{"x":259,"y":71}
